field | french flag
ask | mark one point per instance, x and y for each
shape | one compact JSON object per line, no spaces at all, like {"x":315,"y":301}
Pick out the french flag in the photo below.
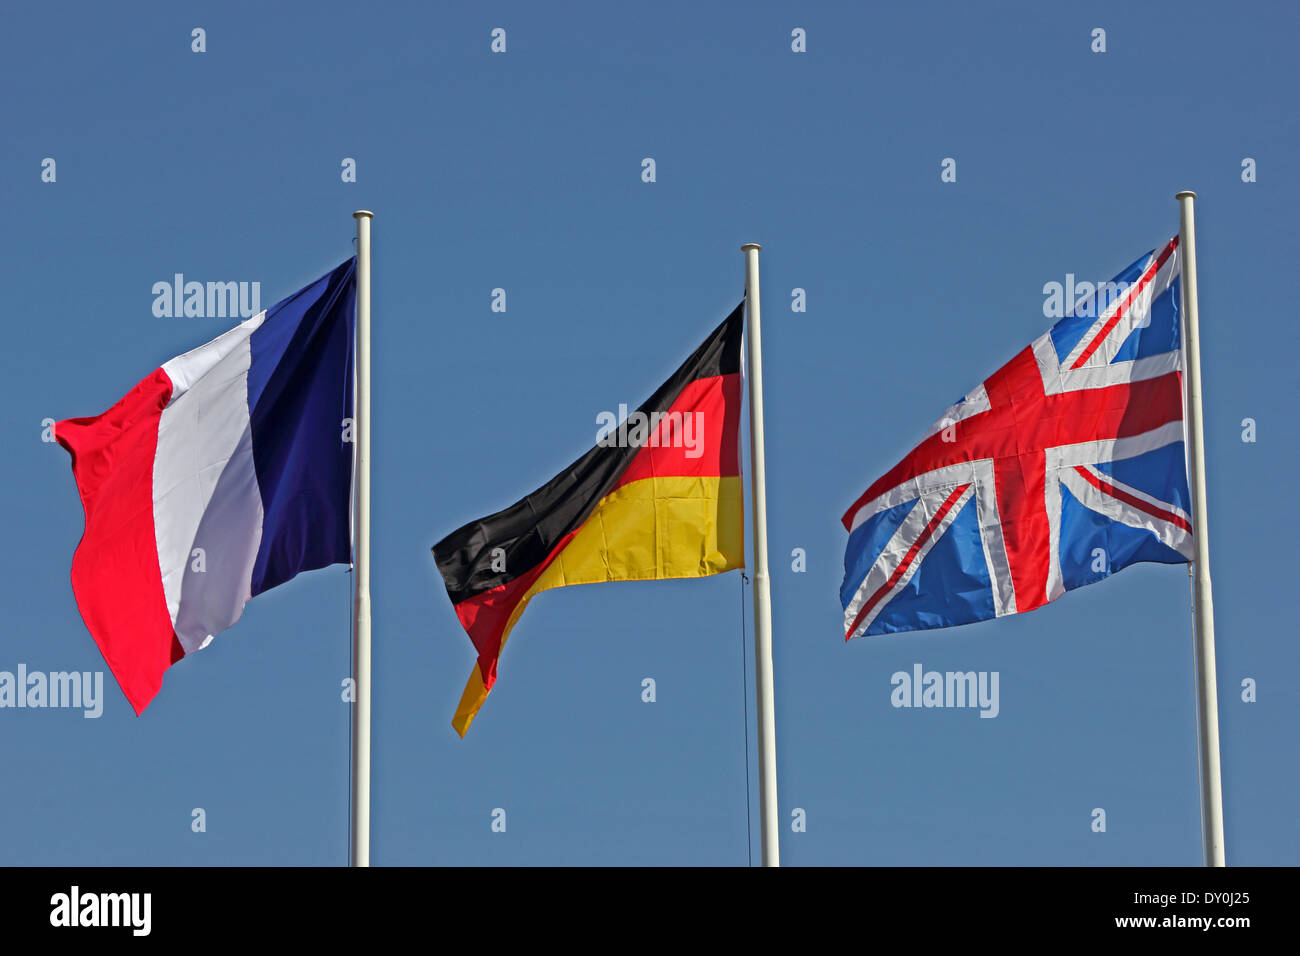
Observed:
{"x":222,"y":474}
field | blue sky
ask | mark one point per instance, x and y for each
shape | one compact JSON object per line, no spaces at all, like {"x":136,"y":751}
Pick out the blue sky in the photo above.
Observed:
{"x":522,"y":171}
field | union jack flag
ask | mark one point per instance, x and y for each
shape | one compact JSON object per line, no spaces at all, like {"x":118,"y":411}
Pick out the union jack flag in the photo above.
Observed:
{"x":1064,"y":466}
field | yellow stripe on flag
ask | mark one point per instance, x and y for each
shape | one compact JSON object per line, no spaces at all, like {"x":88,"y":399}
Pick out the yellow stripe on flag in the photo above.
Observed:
{"x":651,"y":529}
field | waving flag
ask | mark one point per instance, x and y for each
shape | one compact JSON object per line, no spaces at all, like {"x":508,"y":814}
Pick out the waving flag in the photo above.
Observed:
{"x":1063,"y":467}
{"x":222,"y":474}
{"x":657,"y":497}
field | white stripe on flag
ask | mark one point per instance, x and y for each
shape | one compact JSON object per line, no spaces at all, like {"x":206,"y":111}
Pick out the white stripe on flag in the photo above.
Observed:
{"x":206,"y":502}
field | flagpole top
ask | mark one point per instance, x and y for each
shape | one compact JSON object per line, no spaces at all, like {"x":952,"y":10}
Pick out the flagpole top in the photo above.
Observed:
{"x":363,"y":212}
{"x":750,"y":245}
{"x":1186,"y":192}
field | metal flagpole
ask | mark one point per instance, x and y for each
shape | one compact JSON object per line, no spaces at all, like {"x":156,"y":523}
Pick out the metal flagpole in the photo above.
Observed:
{"x":361,"y":557}
{"x":767,"y":801}
{"x":1207,"y":697}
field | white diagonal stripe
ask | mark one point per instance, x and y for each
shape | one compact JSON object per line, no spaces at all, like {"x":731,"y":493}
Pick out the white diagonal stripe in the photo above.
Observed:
{"x":1095,"y":499}
{"x":896,"y":550}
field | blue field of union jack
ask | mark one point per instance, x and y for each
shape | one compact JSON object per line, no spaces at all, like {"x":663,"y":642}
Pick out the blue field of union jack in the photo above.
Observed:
{"x":1064,"y":466}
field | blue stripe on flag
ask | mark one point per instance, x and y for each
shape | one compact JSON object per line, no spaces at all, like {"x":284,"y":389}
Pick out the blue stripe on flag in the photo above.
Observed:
{"x":1084,"y":533}
{"x":299,"y":392}
{"x":1067,"y":332}
{"x":1161,"y":473}
{"x":865,"y":544}
{"x":1161,"y":334}
{"x":952,"y":586}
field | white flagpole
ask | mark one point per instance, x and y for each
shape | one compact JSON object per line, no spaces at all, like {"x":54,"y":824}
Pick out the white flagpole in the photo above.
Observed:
{"x":1207,"y":697}
{"x":768,"y":808}
{"x":361,"y":557}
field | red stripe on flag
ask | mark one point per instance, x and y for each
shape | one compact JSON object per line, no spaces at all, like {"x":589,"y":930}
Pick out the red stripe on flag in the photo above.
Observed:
{"x":115,"y":574}
{"x":903,"y":565}
{"x":713,"y":427}
{"x":484,"y":616}
{"x":1128,"y":301}
{"x":1107,"y":488}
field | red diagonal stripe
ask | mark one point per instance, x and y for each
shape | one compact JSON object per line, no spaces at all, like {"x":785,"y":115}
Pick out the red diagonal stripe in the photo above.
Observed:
{"x":1106,"y":487}
{"x":903,"y":565}
{"x":1127,"y":301}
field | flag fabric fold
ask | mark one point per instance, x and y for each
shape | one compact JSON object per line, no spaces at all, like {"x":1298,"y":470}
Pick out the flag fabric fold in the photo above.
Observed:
{"x":219,"y":476}
{"x":1063,"y":467}
{"x":659,"y":496}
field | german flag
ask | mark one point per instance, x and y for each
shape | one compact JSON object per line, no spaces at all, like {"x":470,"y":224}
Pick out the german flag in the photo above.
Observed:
{"x":659,"y":496}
